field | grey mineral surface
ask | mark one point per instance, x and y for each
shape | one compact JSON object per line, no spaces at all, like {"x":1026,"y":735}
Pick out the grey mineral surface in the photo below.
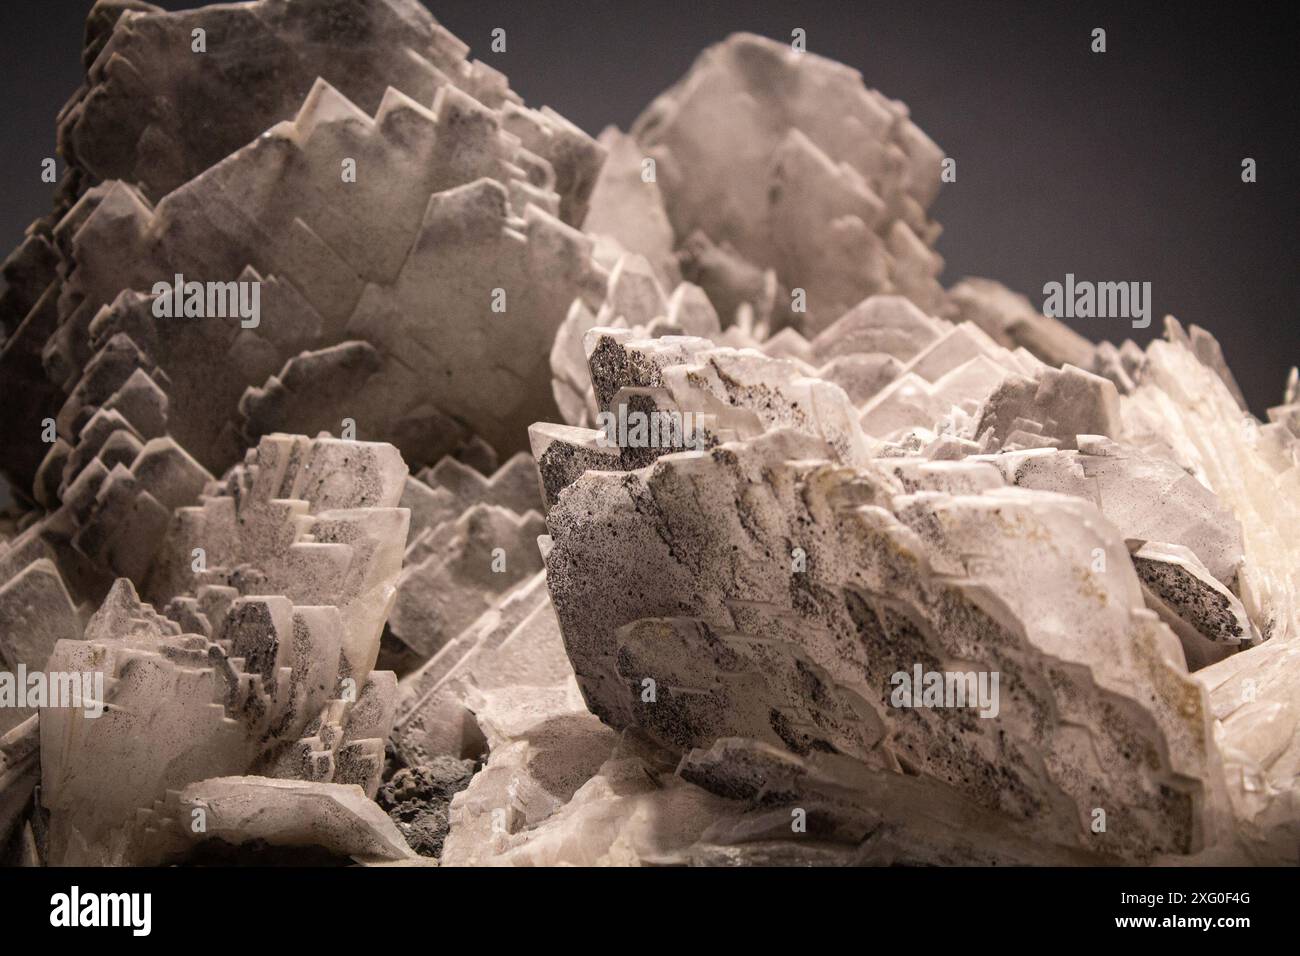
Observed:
{"x":403,"y":476}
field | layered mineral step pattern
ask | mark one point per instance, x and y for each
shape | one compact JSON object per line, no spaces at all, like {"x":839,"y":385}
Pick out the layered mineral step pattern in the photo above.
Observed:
{"x":403,"y":476}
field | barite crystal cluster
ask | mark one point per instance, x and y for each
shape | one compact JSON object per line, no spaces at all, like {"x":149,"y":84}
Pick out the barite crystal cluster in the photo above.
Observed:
{"x":404,"y":476}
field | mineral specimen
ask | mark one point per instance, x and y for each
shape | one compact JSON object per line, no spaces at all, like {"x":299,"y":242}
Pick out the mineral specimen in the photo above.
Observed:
{"x":403,"y":476}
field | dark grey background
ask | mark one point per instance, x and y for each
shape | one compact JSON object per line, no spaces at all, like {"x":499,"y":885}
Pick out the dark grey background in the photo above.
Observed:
{"x":1119,"y":166}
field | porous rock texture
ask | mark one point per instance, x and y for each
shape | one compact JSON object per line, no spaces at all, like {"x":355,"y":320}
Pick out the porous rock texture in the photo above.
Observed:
{"x":395,"y":571}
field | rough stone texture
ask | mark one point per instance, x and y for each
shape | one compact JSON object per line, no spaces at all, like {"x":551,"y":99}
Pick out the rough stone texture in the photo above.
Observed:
{"x":35,"y":614}
{"x":268,"y":693}
{"x":349,"y":278}
{"x":516,"y":643}
{"x":473,"y":539}
{"x":251,"y":819}
{"x":693,"y":658}
{"x":829,"y":191}
{"x":704,"y":603}
{"x":1183,"y":411}
{"x":300,"y":87}
{"x":1055,"y":406}
{"x":20,"y":772}
{"x":484,"y":554}
{"x":145,"y":112}
{"x":1145,"y":497}
{"x":315,"y":520}
{"x":234,"y":683}
{"x":417,"y":799}
{"x":685,"y":573}
{"x":1187,"y":597}
{"x":1253,"y":696}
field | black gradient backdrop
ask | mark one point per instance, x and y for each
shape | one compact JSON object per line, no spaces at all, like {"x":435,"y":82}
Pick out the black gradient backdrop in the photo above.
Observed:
{"x":1117,"y":166}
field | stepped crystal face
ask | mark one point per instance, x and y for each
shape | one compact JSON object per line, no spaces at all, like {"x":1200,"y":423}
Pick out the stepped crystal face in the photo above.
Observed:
{"x":403,"y":475}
